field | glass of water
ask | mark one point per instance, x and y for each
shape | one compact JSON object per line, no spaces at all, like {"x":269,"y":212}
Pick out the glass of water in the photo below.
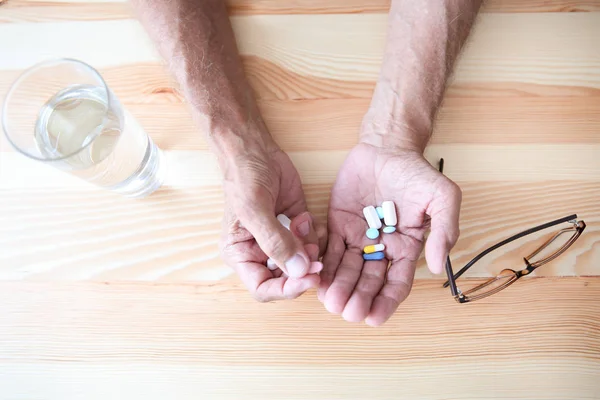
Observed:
{"x":62,"y":113}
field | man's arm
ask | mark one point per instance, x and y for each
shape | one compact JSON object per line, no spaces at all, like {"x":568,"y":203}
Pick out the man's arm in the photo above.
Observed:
{"x":424,"y":40}
{"x":197,"y":41}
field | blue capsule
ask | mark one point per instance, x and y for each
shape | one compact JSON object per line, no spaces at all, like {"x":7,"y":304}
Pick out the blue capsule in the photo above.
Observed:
{"x":389,"y":229}
{"x":374,"y":256}
{"x":379,"y":212}
{"x":372,"y":233}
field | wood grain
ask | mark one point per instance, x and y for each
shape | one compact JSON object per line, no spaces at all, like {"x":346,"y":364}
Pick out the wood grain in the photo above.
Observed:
{"x":555,"y":49}
{"x":369,"y":6}
{"x":334,"y":124}
{"x":105,"y":297}
{"x":523,"y":163}
{"x":18,"y":11}
{"x":190,"y":339}
{"x":173,"y":236}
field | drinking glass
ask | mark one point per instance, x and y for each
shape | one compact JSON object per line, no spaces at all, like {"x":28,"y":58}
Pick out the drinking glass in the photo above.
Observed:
{"x":62,"y":113}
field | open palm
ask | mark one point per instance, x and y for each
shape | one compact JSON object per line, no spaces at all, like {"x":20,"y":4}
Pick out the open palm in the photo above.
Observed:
{"x":369,"y":290}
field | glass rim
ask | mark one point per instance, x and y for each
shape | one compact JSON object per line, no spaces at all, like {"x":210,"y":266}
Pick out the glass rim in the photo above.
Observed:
{"x":25,"y":75}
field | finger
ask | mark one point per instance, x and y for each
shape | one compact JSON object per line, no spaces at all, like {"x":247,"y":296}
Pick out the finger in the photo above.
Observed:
{"x":315,"y":267}
{"x":444,"y":212}
{"x":345,"y":280}
{"x":396,"y":288}
{"x":331,"y":261}
{"x":321,"y":230}
{"x":368,"y":286}
{"x":302,"y":226}
{"x":276,"y":241}
{"x":264,"y":287}
{"x":290,"y":288}
{"x":313,"y":251}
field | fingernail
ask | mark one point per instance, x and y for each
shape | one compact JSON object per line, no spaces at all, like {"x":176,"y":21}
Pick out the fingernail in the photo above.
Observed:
{"x":297,"y":266}
{"x":304,"y":228}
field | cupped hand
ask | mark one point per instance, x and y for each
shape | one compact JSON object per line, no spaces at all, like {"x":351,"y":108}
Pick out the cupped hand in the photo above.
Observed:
{"x":259,"y":185}
{"x":372,"y":290}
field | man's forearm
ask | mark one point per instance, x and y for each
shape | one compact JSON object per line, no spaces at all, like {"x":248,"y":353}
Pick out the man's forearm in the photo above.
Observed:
{"x":196,"y":39}
{"x":424,"y":40}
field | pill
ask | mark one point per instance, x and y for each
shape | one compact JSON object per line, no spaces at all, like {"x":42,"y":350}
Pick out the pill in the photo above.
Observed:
{"x":271,"y":264}
{"x":374,"y":256}
{"x":284,"y":220}
{"x":372,"y":233}
{"x":372,"y":248}
{"x":389,"y":229}
{"x":389,"y":213}
{"x":379,"y":212}
{"x":372,"y":218}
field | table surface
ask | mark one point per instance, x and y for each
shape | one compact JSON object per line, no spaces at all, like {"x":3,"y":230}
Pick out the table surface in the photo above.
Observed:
{"x":104,"y":297}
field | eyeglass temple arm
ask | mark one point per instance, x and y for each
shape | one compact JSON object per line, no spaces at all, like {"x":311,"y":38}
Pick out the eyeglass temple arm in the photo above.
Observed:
{"x":451,"y":282}
{"x":449,"y":273}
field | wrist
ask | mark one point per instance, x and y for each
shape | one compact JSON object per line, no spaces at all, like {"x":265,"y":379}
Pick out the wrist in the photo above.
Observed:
{"x":396,"y":121}
{"x":238,"y":147}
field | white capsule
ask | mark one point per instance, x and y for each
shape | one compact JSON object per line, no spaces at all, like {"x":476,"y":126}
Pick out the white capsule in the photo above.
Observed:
{"x":372,"y":218}
{"x":271,"y":264}
{"x":284,"y":220}
{"x":389,"y":213}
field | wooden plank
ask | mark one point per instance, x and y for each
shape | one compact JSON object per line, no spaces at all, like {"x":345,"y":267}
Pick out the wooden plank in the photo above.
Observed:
{"x":49,"y":234}
{"x":521,"y":163}
{"x":150,"y":83}
{"x":378,"y":6}
{"x":213,"y":341}
{"x":28,"y":11}
{"x":18,"y":11}
{"x":334,"y":124}
{"x":546,"y":376}
{"x":554,"y":49}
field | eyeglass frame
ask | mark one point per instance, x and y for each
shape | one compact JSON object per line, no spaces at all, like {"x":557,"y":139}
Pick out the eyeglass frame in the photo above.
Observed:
{"x":577,"y":229}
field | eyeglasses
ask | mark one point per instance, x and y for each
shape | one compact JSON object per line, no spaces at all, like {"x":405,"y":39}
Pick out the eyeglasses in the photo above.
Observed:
{"x":550,"y":249}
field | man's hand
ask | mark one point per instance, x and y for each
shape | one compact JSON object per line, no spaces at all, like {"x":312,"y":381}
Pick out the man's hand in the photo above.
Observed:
{"x":424,"y":39}
{"x":360,"y":289}
{"x":196,"y":39}
{"x":257,"y":188}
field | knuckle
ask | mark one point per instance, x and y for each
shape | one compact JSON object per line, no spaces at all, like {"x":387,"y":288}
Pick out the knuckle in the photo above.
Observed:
{"x":277,"y":248}
{"x":452,"y":190}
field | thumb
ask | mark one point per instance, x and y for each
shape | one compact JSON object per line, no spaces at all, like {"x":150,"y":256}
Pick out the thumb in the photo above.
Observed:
{"x":278,"y":243}
{"x":444,"y":214}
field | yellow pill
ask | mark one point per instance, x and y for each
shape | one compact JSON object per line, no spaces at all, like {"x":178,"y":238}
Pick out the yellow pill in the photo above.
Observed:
{"x":373,"y":248}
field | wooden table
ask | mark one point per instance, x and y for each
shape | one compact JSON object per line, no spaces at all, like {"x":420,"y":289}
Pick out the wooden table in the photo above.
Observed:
{"x":107,"y":298}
